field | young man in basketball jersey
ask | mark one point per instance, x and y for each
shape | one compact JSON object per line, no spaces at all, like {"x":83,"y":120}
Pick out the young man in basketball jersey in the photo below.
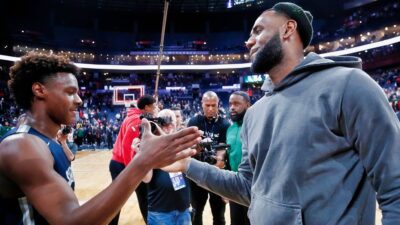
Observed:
{"x":35,"y":175}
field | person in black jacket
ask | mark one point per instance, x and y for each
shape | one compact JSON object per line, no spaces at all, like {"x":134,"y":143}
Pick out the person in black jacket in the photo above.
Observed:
{"x":214,"y":128}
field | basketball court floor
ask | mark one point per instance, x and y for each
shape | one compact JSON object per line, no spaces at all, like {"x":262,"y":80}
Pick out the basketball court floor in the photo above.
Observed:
{"x":91,"y":176}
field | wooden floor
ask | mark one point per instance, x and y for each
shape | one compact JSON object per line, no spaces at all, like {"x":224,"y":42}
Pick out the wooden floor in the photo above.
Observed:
{"x":91,"y":176}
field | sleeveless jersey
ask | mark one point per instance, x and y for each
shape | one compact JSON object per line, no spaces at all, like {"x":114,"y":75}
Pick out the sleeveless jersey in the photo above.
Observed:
{"x":16,"y":209}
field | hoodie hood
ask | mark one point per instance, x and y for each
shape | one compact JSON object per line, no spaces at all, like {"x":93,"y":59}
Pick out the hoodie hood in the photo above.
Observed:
{"x":134,"y":111}
{"x":311,"y":63}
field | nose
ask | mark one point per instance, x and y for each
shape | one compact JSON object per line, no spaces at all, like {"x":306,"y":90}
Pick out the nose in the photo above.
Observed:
{"x":249,"y":43}
{"x":78,"y":100}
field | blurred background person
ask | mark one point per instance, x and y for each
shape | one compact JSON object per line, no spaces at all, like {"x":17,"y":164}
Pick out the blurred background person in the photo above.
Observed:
{"x":122,"y":153}
{"x":62,"y":138}
{"x":239,"y":102}
{"x":168,"y":193}
{"x":180,"y":124}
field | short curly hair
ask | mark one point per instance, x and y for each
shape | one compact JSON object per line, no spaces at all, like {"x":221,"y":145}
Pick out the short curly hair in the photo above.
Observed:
{"x":32,"y":68}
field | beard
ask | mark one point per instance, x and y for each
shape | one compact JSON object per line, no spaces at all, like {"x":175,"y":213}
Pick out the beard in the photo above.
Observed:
{"x":268,"y":56}
{"x":238,"y":117}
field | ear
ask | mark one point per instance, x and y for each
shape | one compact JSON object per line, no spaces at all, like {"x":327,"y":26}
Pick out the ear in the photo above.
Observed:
{"x":289,"y":28}
{"x":38,"y":90}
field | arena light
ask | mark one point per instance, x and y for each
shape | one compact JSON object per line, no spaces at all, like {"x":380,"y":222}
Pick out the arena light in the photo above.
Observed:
{"x":215,"y":66}
{"x":363,"y":47}
{"x":229,"y":4}
{"x":164,"y":67}
{"x":8,"y":58}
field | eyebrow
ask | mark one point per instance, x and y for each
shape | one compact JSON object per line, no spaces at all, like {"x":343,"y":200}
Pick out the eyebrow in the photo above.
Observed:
{"x":73,"y":88}
{"x":254,"y":28}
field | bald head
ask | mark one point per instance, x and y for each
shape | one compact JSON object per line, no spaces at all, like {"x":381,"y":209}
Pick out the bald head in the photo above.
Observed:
{"x":210,"y":95}
{"x":209,"y":103}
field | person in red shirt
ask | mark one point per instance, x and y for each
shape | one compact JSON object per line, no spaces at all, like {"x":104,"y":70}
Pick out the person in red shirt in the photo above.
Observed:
{"x":122,"y":153}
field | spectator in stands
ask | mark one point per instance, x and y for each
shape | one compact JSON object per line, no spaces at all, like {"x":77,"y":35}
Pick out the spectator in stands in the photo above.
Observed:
{"x":214,"y":128}
{"x":109,"y":135}
{"x":79,"y":134}
{"x":179,"y":120}
{"x":4,"y":128}
{"x":35,"y":175}
{"x":168,"y":193}
{"x":62,"y":138}
{"x":239,"y":102}
{"x":70,"y":141}
{"x":122,"y":153}
{"x":313,"y":150}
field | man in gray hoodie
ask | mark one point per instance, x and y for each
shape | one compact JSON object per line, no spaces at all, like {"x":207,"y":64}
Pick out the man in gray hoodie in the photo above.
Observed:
{"x":322,"y":144}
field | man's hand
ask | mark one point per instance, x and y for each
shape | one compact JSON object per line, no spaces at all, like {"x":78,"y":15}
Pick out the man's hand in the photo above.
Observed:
{"x":178,"y":166}
{"x":62,"y":138}
{"x":160,"y":151}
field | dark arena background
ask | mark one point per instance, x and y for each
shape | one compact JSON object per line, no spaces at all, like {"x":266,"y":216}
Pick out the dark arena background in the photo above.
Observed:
{"x":117,"y":45}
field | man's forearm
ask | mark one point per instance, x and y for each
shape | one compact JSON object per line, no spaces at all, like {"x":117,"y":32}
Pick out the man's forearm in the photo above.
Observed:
{"x":228,"y":184}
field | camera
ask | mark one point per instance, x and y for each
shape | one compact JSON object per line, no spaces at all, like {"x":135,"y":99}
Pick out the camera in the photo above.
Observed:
{"x":209,"y":151}
{"x":154,"y":121}
{"x":66,"y":130}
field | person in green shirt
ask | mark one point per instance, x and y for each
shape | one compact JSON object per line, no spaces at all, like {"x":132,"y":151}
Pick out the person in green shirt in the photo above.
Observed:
{"x":4,"y":128}
{"x":239,"y":102}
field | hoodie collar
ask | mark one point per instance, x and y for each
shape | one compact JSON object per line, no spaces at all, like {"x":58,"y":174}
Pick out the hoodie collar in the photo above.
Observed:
{"x":310,"y":64}
{"x":134,"y":111}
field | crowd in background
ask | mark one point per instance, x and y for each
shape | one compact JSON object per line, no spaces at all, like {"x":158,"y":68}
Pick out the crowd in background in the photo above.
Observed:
{"x":359,"y":20}
{"x":99,"y":120}
{"x":363,"y":25}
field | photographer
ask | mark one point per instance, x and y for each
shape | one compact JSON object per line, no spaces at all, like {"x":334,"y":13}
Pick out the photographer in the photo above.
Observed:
{"x":62,"y":138}
{"x":214,"y":128}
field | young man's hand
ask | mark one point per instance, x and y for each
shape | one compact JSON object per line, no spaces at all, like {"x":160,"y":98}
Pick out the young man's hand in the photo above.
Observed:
{"x":161,"y":151}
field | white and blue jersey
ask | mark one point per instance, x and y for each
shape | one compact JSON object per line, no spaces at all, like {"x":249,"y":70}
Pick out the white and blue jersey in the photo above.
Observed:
{"x":17,"y":210}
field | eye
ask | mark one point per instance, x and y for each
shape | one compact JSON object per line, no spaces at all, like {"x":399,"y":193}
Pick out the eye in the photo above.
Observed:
{"x":71,"y":92}
{"x":258,"y":31}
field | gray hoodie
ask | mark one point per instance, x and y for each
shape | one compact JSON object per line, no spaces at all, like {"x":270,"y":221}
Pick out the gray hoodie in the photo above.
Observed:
{"x":318,"y":149}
